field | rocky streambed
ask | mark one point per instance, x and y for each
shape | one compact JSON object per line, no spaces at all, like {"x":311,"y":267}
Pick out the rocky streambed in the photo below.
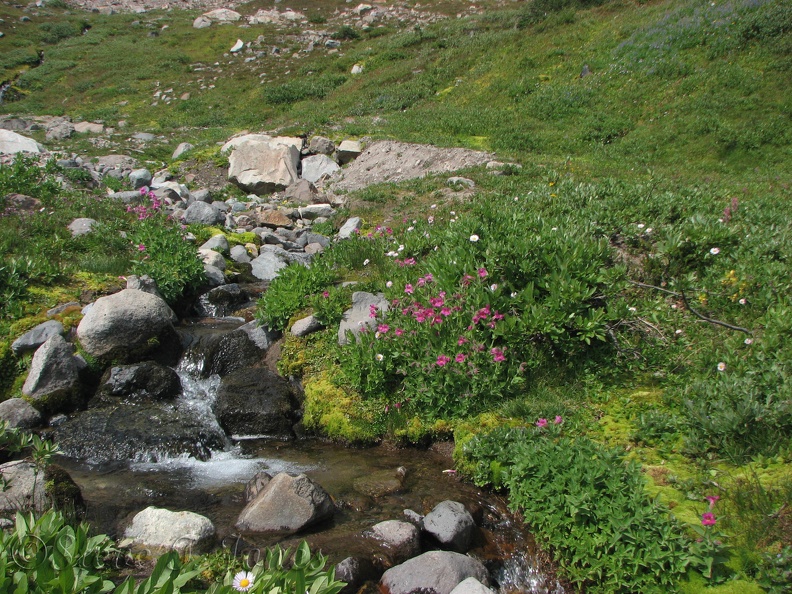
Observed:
{"x":207,"y":452}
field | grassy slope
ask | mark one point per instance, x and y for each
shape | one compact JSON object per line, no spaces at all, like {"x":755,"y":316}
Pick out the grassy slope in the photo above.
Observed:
{"x":682,"y":92}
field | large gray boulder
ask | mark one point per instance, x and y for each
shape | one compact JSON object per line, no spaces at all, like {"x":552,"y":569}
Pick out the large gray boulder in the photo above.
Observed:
{"x":223,"y":16}
{"x":81,"y":226}
{"x":19,"y":414}
{"x":318,"y":166}
{"x":59,"y":129}
{"x":348,"y":150}
{"x":321,"y":145}
{"x":349,"y":228}
{"x":163,"y":529}
{"x":212,"y":258}
{"x":140,"y":178}
{"x":12,"y":143}
{"x":256,"y":402}
{"x":201,"y":212}
{"x":302,"y":192}
{"x":53,"y":382}
{"x":471,"y":586}
{"x":125,"y":325}
{"x":314,"y":211}
{"x":139,"y":431}
{"x":261,"y":336}
{"x":287,"y":504}
{"x":139,"y":381}
{"x":267,"y":265}
{"x":221,"y":354}
{"x":451,"y":525}
{"x":435,"y":572}
{"x":34,"y":488}
{"x":218,"y":243}
{"x":402,"y":540}
{"x":358,"y":317}
{"x":262,"y":166}
{"x":33,"y":339}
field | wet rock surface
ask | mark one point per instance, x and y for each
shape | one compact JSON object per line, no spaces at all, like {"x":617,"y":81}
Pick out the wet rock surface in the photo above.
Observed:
{"x":135,"y":432}
{"x":256,"y":402}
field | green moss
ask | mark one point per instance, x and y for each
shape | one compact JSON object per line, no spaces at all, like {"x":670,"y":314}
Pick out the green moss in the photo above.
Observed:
{"x":243,"y":238}
{"x":336,"y":412}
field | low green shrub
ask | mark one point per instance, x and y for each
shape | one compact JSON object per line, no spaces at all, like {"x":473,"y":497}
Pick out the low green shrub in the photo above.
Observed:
{"x":587,"y":504}
{"x":291,"y":292}
{"x":166,"y":256}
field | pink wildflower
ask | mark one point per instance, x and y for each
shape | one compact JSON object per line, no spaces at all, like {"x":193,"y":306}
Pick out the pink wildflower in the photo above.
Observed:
{"x":713,"y":499}
{"x":462,"y":340}
{"x":141,"y":247}
{"x":383,"y":328}
{"x":482,"y":272}
{"x":460,"y":358}
{"x":325,"y":294}
{"x":445,"y":311}
{"x":497,"y":355}
{"x":541,"y":423}
{"x":398,"y":332}
{"x":558,"y":420}
{"x":442,"y":360}
{"x":708,"y":519}
{"x":408,"y":288}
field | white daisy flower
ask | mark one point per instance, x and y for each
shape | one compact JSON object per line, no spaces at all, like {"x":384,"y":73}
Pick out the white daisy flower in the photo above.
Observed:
{"x":474,"y":238}
{"x":243,"y":581}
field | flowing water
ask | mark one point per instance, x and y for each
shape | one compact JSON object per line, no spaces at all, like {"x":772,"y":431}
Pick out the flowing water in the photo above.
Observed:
{"x":215,"y":488}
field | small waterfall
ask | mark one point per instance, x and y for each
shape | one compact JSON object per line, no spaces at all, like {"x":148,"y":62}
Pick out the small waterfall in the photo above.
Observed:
{"x":519,"y":572}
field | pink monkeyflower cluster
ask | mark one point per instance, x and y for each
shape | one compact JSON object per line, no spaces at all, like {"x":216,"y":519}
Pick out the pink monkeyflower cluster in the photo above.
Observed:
{"x":497,"y":354}
{"x":144,"y":212}
{"x":373,"y":309}
{"x":544,"y":422}
{"x":406,"y":262}
{"x":708,"y":518}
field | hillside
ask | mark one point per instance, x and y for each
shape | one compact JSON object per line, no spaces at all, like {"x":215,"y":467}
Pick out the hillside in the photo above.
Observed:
{"x":596,"y":312}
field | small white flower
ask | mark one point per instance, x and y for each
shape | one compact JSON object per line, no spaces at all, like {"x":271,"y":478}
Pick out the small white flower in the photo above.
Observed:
{"x":433,"y":206}
{"x":243,"y":581}
{"x":366,"y":262}
{"x":742,"y":302}
{"x":513,"y":294}
{"x":410,"y":228}
{"x":677,"y":331}
{"x":715,"y":251}
{"x":430,"y":220}
{"x":437,"y":247}
{"x":554,"y":229}
{"x":673,"y":306}
{"x":493,"y":287}
{"x":377,"y":334}
{"x":516,"y":198}
{"x":389,"y":284}
{"x":474,"y":238}
{"x":379,"y":357}
{"x":452,"y":213}
{"x":641,"y":225}
{"x":400,"y":248}
{"x":649,"y":230}
{"x":632,"y":309}
{"x":748,"y":341}
{"x":721,"y":366}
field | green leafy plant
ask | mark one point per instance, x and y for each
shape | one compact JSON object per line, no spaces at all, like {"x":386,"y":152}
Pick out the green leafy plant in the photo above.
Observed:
{"x":280,"y":572}
{"x":290,"y":292}
{"x":588,"y":504}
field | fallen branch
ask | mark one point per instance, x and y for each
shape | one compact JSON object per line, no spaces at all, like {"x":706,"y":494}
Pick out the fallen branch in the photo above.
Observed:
{"x":699,"y":315}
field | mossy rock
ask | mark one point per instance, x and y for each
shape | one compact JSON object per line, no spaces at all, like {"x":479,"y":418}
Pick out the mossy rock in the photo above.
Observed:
{"x":61,"y":489}
{"x":336,"y":412}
